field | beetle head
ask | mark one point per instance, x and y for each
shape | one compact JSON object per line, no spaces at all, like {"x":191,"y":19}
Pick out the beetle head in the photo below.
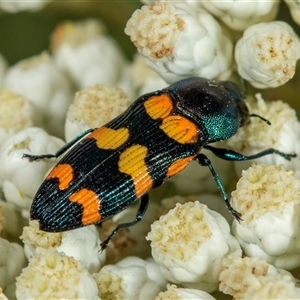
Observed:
{"x":219,"y":107}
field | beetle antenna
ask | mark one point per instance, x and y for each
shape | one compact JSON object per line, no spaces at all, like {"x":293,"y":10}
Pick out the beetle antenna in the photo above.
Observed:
{"x":258,"y":116}
{"x":244,"y":88}
{"x":244,"y":85}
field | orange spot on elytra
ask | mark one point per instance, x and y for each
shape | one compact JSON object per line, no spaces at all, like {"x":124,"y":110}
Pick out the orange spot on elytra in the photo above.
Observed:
{"x":132,"y":162}
{"x":178,"y":165}
{"x":159,"y":107}
{"x":91,"y":206}
{"x":109,"y":139}
{"x":180,"y":129}
{"x":64,"y":174}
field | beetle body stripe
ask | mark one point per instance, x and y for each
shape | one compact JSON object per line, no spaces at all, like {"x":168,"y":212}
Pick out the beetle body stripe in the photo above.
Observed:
{"x":110,"y":139}
{"x":159,"y":107}
{"x":132,"y":162}
{"x":90,"y":204}
{"x":64,"y":174}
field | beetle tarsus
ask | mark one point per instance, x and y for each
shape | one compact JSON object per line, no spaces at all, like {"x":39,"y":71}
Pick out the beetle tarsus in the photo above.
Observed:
{"x":31,"y":157}
{"x":237,"y":215}
{"x":104,"y":244}
{"x":287,"y":156}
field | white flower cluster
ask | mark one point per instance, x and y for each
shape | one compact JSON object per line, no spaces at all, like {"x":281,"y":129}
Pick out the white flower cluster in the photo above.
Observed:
{"x":179,"y":42}
{"x":253,"y":278}
{"x":188,"y":245}
{"x":267,"y":53}
{"x":268,"y":197}
{"x":184,"y":243}
{"x":88,"y":55}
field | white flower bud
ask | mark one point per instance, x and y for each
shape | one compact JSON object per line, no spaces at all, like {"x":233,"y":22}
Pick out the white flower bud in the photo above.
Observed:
{"x":179,"y":41}
{"x":239,"y":273}
{"x":174,"y":292}
{"x":83,"y":244}
{"x":40,"y":81}
{"x":12,"y":260}
{"x":240,"y":14}
{"x":271,"y":287}
{"x":268,"y":198}
{"x":16,"y":113}
{"x":55,"y":276}
{"x":130,"y":278}
{"x":88,"y":55}
{"x":21,"y":178}
{"x":189,"y":244}
{"x":213,"y":202}
{"x":267,"y":53}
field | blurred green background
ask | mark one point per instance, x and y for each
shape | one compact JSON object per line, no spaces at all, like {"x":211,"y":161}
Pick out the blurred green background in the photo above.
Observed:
{"x":27,"y":33}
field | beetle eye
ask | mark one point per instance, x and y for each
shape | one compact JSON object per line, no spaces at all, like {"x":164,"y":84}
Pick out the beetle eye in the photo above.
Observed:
{"x":244,"y":113}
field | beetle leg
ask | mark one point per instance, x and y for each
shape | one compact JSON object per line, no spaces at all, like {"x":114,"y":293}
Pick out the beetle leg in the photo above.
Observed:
{"x":205,"y":161}
{"x":60,"y":151}
{"x":231,"y":155}
{"x":139,"y":216}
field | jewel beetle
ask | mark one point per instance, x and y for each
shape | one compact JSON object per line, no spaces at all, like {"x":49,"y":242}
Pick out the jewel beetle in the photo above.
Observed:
{"x":113,"y":166}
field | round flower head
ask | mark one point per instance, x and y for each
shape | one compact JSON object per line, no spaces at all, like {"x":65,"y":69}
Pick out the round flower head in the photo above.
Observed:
{"x":283,"y":134}
{"x":240,"y":14}
{"x":45,"y":85}
{"x":173,"y":292}
{"x":87,"y":54}
{"x":83,"y":244}
{"x":20,"y":177}
{"x":16,"y":113}
{"x":236,"y":272}
{"x":268,"y":198}
{"x":130,"y":278}
{"x":212,"y":201}
{"x":93,"y":107}
{"x":267,"y":53}
{"x":55,"y":276}
{"x":271,"y":287}
{"x":189,"y":244}
{"x":179,"y":41}
{"x":12,"y":260}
